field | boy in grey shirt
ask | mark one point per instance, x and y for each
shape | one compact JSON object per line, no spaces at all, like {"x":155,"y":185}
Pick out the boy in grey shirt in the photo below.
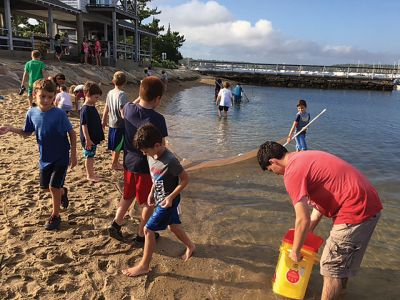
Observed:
{"x":116,"y":99}
{"x":169,"y":179}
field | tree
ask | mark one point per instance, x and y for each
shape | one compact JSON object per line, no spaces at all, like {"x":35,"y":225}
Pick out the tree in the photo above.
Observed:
{"x":24,"y":28}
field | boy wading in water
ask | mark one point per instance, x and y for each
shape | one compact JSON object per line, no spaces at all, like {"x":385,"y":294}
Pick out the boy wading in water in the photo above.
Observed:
{"x":302,"y":119}
{"x":51,"y":126}
{"x":169,"y":179}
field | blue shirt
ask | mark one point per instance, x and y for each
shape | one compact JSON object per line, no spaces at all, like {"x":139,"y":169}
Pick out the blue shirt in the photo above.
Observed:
{"x":237,"y":91}
{"x":302,"y":120}
{"x":136,"y":116}
{"x":90,"y":117}
{"x":51,"y":128}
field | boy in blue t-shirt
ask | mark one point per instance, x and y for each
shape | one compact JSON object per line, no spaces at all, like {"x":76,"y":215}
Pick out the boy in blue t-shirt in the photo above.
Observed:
{"x":137,"y":179}
{"x":51,"y":126}
{"x":169,"y":179}
{"x":91,"y":130}
{"x":302,"y":119}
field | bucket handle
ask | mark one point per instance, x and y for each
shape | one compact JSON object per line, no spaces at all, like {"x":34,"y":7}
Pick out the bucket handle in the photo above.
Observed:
{"x":315,"y":260}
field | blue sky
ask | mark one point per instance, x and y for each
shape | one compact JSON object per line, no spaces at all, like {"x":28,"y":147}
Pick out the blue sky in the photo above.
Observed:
{"x":288,"y":31}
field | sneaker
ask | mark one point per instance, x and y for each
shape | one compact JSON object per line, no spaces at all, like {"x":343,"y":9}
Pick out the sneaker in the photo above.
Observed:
{"x":64,"y":199}
{"x":115,"y":233}
{"x":53,"y":223}
{"x":139,"y":240}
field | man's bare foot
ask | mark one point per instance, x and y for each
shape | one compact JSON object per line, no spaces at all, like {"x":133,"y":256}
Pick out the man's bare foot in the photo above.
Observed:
{"x":136,"y":271}
{"x":188,"y":253}
{"x":117,"y":167}
{"x":94,"y":178}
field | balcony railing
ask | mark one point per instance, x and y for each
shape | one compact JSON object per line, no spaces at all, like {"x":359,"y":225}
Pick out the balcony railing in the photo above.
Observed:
{"x":124,"y":5}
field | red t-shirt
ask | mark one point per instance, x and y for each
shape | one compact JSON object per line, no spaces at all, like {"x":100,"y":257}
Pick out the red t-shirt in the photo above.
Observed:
{"x":334,"y":187}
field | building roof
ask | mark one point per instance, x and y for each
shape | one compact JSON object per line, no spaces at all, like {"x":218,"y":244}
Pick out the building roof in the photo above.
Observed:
{"x":53,"y":3}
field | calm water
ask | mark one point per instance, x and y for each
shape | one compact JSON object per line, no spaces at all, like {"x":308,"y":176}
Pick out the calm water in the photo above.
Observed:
{"x":362,"y":127}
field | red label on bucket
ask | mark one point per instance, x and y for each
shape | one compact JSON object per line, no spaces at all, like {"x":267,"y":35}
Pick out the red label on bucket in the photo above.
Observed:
{"x":293,"y":276}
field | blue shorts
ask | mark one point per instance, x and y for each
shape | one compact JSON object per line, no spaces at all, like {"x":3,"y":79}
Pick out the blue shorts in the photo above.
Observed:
{"x":162,"y":217}
{"x":301,"y":142}
{"x":90,"y":153}
{"x":116,"y":139}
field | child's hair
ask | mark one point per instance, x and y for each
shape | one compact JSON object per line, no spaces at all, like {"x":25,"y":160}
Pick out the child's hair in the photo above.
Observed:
{"x":44,"y":85}
{"x":91,"y":89}
{"x":269,"y":150}
{"x":71,"y":89}
{"x":147,"y":136}
{"x":302,"y":103}
{"x":59,"y":76}
{"x":63,"y":88}
{"x":35,"y":54}
{"x":226,"y":84}
{"x":119,"y":78}
{"x":150,"y":88}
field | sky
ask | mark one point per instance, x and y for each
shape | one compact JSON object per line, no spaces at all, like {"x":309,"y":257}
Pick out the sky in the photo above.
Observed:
{"x":321,"y":32}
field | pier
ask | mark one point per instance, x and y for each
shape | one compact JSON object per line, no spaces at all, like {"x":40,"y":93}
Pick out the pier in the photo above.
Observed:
{"x":301,"y":76}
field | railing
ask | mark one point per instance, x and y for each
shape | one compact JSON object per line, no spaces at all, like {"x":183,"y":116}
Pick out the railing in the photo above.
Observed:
{"x":124,"y":5}
{"x":298,"y":70}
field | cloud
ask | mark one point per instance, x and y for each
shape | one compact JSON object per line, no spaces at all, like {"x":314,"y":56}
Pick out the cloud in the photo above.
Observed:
{"x":211,"y":32}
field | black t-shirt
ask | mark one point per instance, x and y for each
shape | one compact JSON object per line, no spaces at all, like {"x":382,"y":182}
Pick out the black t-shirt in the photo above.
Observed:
{"x":136,"y":116}
{"x":91,"y":118}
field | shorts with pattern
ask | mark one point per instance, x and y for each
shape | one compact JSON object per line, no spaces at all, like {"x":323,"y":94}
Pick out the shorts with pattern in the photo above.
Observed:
{"x":345,"y":248}
{"x":90,"y":153}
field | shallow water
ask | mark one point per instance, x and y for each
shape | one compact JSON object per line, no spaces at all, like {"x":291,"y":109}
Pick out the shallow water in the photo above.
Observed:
{"x":242,"y":213}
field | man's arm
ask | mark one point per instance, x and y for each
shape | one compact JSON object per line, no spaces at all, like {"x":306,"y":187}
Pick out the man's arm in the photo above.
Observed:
{"x":8,"y":128}
{"x":315,"y":218}
{"x":72,"y":139}
{"x":301,"y":229}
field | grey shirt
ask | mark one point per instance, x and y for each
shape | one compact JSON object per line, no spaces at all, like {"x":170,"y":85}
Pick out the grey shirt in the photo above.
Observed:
{"x":165,"y":173}
{"x":116,"y":100}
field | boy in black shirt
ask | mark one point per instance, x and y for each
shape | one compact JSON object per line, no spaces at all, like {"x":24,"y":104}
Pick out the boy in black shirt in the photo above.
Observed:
{"x":91,"y":129}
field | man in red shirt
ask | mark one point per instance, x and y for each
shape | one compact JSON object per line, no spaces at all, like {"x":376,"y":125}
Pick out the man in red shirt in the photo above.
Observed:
{"x":335,"y":189}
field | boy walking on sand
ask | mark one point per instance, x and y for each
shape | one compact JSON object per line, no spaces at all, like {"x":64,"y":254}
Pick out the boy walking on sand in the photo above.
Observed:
{"x":116,"y":100}
{"x":34,"y":70}
{"x":169,"y":179}
{"x":137,"y":179}
{"x":51,"y":126}
{"x":91,"y":129}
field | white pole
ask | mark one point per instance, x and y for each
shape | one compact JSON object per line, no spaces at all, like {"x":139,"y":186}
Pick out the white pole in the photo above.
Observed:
{"x":305,"y":127}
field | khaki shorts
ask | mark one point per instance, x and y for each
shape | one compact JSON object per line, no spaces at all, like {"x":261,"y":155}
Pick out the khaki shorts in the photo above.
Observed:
{"x":345,"y":248}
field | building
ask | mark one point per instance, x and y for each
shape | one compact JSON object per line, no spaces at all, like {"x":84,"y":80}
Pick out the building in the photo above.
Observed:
{"x":114,"y":22}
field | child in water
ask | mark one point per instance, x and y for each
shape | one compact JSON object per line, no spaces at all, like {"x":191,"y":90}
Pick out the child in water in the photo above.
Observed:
{"x":302,"y":119}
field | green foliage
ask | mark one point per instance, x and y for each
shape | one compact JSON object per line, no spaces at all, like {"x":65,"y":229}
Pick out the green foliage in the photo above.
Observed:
{"x":20,"y":25}
{"x":144,"y":12}
{"x":165,"y":64}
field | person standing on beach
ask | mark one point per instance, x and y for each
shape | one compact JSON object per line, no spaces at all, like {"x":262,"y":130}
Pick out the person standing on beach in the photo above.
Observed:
{"x":169,"y":179}
{"x":335,"y":189}
{"x":91,"y":130}
{"x":33,"y":70}
{"x":51,"y":126}
{"x":224,"y":99}
{"x":302,"y":119}
{"x":137,"y":179}
{"x":113,"y":110}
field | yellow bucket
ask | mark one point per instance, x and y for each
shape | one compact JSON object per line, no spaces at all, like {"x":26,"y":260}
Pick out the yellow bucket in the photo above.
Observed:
{"x":291,"y":278}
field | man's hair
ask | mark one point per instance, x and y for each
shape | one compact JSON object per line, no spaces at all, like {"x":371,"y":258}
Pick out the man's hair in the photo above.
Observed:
{"x":35,"y":54}
{"x":119,"y":78}
{"x":91,"y":89}
{"x":44,"y":85}
{"x":227,"y":84}
{"x":302,"y":103}
{"x":147,"y":136}
{"x":269,"y":150}
{"x":150,"y":88}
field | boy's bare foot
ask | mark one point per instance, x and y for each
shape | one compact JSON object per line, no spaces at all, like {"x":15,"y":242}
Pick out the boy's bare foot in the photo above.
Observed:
{"x":94,"y":178}
{"x":188,"y":253}
{"x":117,"y":167}
{"x":136,"y":271}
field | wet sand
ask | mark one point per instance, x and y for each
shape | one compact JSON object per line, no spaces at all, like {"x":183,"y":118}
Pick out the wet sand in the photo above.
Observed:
{"x":235,"y":214}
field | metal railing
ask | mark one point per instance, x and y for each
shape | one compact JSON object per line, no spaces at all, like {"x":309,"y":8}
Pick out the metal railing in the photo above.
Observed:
{"x":355,"y":71}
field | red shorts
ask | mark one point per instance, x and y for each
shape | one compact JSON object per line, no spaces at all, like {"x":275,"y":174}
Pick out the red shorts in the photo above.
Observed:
{"x":137,"y":185}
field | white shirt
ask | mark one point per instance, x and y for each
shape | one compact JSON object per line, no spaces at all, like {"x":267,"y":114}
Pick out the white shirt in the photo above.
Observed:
{"x":63,"y":99}
{"x":226,"y":97}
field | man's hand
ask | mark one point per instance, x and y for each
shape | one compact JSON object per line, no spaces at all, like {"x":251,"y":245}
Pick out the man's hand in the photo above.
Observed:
{"x":167,"y":202}
{"x":295,"y":256}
